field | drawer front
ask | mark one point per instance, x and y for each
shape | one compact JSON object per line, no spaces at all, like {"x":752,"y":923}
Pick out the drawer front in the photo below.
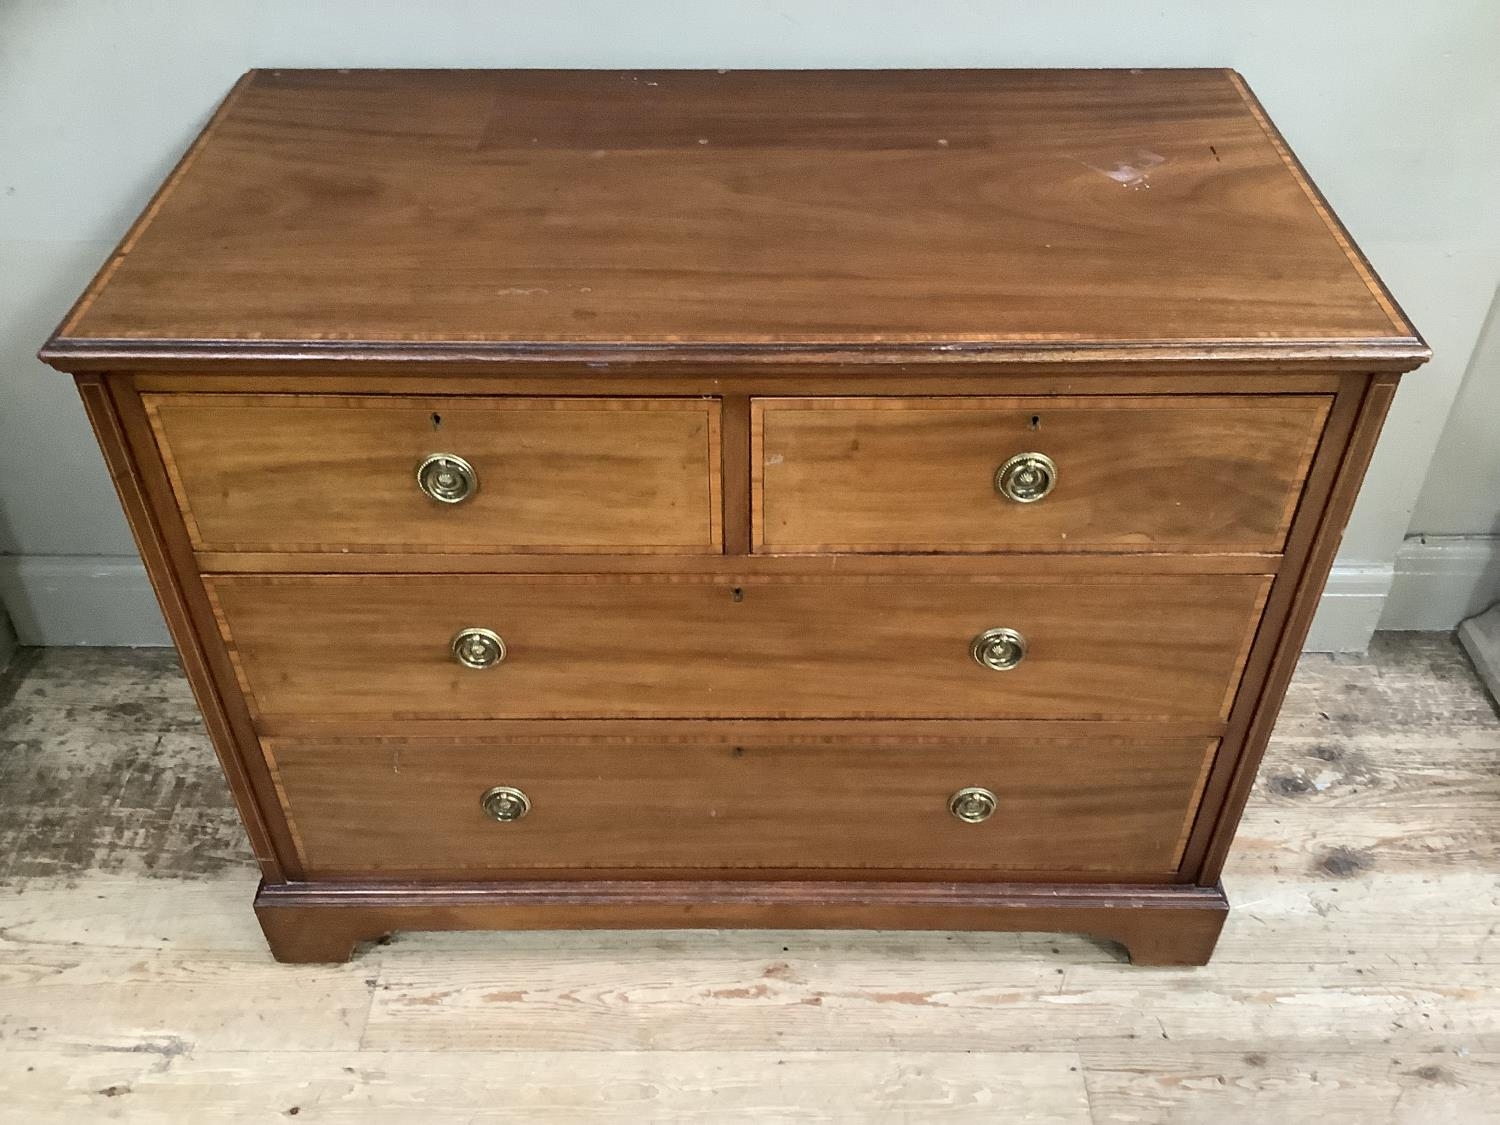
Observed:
{"x":695,"y":646}
{"x":1164,"y":473}
{"x":1110,"y":806}
{"x":337,"y":473}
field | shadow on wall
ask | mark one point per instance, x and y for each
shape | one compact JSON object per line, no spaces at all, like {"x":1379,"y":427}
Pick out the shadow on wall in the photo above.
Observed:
{"x":8,"y":643}
{"x":7,"y":640}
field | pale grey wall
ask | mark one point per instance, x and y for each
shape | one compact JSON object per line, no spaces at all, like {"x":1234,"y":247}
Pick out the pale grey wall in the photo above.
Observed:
{"x":1391,"y":105}
{"x":1462,"y":493}
{"x":1449,"y":567}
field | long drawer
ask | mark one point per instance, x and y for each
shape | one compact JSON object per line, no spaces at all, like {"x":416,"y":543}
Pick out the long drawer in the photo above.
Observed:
{"x":1202,"y":473}
{"x":395,"y":473}
{"x":465,"y":808}
{"x":699,"y":646}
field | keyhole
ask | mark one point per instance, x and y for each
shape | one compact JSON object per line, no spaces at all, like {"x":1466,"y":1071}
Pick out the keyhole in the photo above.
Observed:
{"x":738,"y":593}
{"x":437,"y":420}
{"x":1036,"y":421}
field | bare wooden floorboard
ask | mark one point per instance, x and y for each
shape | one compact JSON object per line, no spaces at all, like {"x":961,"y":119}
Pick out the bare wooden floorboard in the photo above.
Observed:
{"x":1339,"y":844}
{"x":1358,"y":979}
{"x":168,"y":1003}
{"x":164,"y":967}
{"x":718,"y":999}
{"x":1173,"y":1085}
{"x":1418,"y":682}
{"x":859,"y":1003}
{"x":372,"y":1087}
{"x":1368,"y":771}
{"x":100,"y":912}
{"x":1411,"y":918}
{"x":105,"y":767}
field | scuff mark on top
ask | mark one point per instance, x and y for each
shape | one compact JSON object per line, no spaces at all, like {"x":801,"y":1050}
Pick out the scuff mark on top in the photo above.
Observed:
{"x":1133,"y":173}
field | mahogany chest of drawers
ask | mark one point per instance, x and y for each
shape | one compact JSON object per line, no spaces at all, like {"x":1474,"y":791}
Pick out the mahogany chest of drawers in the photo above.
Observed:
{"x":804,"y":499}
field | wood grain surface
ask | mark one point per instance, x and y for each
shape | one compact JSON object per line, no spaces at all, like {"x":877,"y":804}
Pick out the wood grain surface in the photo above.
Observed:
{"x":392,"y":809}
{"x":1151,"y":214}
{"x":1159,"y":925}
{"x":298,"y":473}
{"x":695,"y":646}
{"x":1134,"y":473}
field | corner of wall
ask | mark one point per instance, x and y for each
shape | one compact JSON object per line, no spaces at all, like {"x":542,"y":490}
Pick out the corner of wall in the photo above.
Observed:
{"x":1480,"y":637}
{"x":1351,"y":607}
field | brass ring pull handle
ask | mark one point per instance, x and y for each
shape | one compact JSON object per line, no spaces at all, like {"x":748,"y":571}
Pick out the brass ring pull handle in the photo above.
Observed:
{"x":972,"y":804}
{"x":999,"y":650}
{"x":1026,"y":477}
{"x":477,"y":648}
{"x":504,"y":803}
{"x":447,"y":478}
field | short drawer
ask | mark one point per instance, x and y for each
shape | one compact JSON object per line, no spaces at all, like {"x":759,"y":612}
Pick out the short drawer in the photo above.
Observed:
{"x":699,"y":646}
{"x":1109,"y":473}
{"x":1044,"y":805}
{"x":341,"y":473}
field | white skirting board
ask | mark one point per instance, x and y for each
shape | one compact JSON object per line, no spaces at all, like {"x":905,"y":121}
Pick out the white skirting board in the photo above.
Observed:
{"x":1350,"y":609}
{"x":64,"y":600}
{"x":1434,"y":583}
{"x":1441,"y":580}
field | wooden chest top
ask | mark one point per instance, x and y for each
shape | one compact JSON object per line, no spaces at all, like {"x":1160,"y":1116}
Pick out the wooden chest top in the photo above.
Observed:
{"x":930,"y":215}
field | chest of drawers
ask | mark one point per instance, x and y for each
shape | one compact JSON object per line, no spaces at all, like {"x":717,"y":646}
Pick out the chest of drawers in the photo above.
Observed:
{"x":670,"y":499}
